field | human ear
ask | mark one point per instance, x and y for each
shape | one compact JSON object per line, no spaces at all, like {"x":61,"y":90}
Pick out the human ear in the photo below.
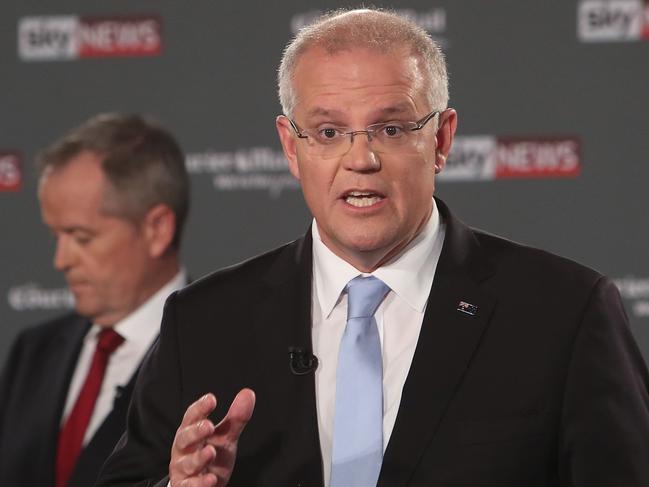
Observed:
{"x":159,"y":229}
{"x":444,"y":137}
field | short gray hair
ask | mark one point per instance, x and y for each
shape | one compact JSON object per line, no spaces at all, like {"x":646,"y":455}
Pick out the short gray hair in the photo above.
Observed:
{"x":142,"y":162}
{"x":378,"y":29}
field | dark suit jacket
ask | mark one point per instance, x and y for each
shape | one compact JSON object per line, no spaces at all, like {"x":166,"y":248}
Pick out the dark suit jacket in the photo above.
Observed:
{"x":542,"y":386}
{"x":33,"y":388}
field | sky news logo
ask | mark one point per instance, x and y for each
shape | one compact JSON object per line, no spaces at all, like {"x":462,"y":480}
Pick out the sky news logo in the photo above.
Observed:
{"x":613,"y":20}
{"x":11,"y":176}
{"x":486,"y":157}
{"x":64,"y":38}
{"x":473,"y":158}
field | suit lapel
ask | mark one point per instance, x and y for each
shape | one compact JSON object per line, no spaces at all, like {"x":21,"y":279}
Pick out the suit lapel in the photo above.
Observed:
{"x":61,"y":367}
{"x":283,"y":321}
{"x":447,"y":341}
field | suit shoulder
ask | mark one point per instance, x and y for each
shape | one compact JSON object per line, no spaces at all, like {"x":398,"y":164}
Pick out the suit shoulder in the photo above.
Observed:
{"x":532,"y":261}
{"x":47,"y":339}
{"x":45,"y":330}
{"x":247,"y":274}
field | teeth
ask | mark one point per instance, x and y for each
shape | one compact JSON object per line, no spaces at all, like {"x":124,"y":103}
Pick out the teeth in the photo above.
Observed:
{"x":358,"y":199}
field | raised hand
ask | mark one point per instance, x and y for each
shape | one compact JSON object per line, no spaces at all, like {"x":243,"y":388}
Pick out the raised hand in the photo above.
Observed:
{"x":203,"y":455}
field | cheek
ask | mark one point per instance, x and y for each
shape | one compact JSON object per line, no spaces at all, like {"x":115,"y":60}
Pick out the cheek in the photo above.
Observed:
{"x":316,"y":187}
{"x":105,"y":271}
{"x":414,"y":195}
{"x":109,"y":263}
{"x":128,"y":260}
{"x":417,"y":183}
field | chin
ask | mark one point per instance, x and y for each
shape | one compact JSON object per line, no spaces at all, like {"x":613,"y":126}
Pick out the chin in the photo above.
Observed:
{"x":88,"y":310}
{"x":366,"y":247}
{"x":370,"y":240}
{"x":85,"y":313}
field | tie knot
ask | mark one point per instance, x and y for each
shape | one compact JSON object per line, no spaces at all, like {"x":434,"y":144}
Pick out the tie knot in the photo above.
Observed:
{"x":364,"y":296}
{"x":109,"y":340}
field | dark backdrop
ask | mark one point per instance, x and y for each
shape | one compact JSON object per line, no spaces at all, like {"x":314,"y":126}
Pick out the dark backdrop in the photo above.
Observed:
{"x":552,"y":145}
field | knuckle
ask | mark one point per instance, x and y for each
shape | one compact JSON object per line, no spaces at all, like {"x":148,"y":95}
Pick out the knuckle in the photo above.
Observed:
{"x":176,"y":466}
{"x":180,"y":442}
{"x":187,"y":465}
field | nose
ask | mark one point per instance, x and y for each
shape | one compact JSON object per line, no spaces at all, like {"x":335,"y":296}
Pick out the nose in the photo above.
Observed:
{"x":360,"y":157}
{"x":63,"y":253}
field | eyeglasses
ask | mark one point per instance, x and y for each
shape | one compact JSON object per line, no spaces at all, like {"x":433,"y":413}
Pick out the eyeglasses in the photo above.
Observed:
{"x":387,"y":137}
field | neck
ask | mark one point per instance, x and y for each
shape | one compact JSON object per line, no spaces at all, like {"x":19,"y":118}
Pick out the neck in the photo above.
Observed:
{"x":163,"y":271}
{"x":156,"y":277}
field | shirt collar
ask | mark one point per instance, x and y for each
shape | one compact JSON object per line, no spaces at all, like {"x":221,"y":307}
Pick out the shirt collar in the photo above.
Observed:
{"x":142,"y":325}
{"x":409,"y":275}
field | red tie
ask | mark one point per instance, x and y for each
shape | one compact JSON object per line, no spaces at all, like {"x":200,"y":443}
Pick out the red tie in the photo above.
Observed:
{"x":74,"y":429}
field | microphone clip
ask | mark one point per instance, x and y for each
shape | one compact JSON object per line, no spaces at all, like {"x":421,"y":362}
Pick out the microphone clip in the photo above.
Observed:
{"x":301,"y":361}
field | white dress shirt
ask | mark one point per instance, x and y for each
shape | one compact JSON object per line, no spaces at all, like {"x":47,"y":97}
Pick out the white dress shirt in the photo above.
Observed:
{"x":139,"y":330}
{"x":399,"y":319}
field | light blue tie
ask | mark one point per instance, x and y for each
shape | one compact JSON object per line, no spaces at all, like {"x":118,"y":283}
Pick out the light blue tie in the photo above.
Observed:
{"x":358,"y":419}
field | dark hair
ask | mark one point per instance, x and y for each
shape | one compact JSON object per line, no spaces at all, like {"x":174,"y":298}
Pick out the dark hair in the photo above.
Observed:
{"x":142,"y":162}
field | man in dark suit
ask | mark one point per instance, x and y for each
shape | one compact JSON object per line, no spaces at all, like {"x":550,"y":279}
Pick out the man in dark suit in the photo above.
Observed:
{"x":498,"y":364}
{"x":114,"y":193}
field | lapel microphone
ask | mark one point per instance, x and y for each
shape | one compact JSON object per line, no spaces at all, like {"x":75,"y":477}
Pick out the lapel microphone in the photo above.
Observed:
{"x":301,"y":361}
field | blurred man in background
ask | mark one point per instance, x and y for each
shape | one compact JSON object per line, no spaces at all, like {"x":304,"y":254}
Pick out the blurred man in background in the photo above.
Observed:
{"x":114,"y":192}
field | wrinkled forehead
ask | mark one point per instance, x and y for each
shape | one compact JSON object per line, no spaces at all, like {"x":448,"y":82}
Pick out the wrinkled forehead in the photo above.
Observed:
{"x":347,"y":55}
{"x":359,"y":77}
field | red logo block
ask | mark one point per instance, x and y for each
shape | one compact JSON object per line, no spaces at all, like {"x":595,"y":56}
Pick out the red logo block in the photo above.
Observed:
{"x":119,"y":36}
{"x":11,"y":178}
{"x":541,"y":157}
{"x":68,"y":37}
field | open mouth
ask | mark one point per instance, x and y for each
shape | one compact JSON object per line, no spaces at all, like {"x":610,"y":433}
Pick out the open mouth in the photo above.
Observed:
{"x":361,"y":199}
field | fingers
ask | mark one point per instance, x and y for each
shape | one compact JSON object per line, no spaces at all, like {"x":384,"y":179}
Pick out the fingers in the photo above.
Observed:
{"x":203,"y":455}
{"x":199,"y":409}
{"x":195,"y":426}
{"x":191,"y":469}
{"x":193,"y":435}
{"x":208,"y":480}
{"x":189,"y":453}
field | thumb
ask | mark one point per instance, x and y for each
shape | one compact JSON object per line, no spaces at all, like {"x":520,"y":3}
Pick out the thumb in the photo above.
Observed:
{"x":238,"y":415}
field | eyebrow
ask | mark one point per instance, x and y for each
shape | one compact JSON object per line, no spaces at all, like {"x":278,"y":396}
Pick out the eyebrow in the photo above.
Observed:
{"x":79,"y":229}
{"x":396,"y":109}
{"x":390,"y":110}
{"x":317,"y":111}
{"x":72,"y":229}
